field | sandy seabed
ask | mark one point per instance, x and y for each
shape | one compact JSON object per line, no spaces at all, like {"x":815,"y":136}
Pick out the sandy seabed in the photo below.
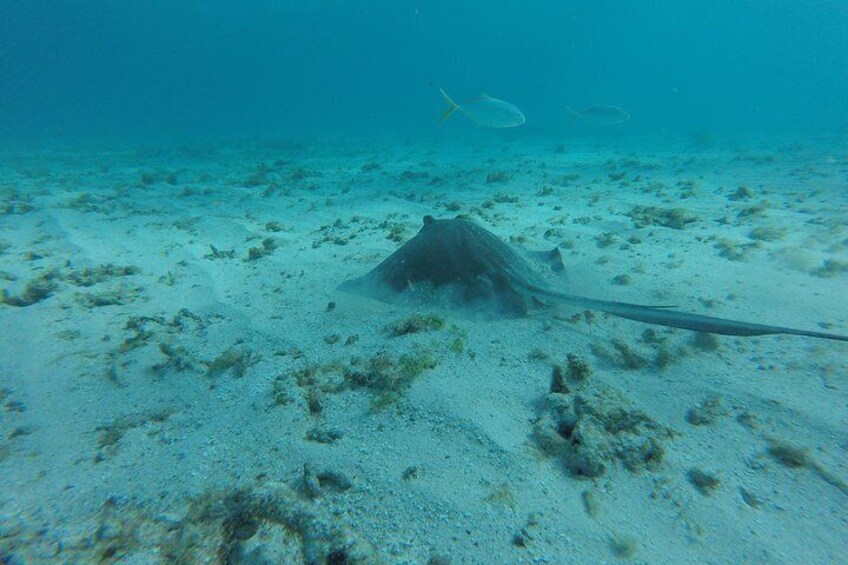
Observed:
{"x":181,"y":382}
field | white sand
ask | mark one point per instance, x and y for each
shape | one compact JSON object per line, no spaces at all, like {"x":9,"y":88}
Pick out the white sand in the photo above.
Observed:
{"x":94,"y":413}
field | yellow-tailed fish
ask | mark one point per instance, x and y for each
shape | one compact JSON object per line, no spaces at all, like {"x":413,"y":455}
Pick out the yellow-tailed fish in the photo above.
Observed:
{"x":485,"y":111}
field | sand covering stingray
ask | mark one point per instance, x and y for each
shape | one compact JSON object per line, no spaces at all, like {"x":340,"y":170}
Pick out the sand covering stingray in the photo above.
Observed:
{"x":457,"y":263}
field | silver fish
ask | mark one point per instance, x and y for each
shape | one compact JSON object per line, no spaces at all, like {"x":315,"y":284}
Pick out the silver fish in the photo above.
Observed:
{"x":601,"y":115}
{"x":485,"y":111}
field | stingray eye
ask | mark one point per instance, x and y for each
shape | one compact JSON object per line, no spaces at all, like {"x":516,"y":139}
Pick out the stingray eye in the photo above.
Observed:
{"x":428,"y":219}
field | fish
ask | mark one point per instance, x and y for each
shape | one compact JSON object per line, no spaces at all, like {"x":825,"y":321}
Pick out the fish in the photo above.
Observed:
{"x":485,"y":111}
{"x":600,"y":115}
{"x":456,"y":263}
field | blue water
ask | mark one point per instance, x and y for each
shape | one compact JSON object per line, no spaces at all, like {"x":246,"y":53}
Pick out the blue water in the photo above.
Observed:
{"x":185,"y":184}
{"x":186,"y":70}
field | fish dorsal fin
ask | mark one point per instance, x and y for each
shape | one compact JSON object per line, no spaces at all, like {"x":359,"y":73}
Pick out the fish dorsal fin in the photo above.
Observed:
{"x":480,"y":98}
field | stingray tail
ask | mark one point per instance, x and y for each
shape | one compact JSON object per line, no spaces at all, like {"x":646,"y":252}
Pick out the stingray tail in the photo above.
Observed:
{"x":662,"y":316}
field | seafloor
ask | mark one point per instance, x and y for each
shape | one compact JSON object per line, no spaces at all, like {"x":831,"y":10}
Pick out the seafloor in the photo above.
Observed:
{"x":181,"y":382}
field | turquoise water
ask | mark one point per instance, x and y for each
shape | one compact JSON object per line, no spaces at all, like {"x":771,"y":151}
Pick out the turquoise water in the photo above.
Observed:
{"x":186,"y":70}
{"x":188,"y":188}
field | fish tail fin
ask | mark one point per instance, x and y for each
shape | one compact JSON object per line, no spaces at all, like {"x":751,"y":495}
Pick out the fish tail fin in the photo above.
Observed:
{"x":573,"y":115}
{"x":453,"y":106}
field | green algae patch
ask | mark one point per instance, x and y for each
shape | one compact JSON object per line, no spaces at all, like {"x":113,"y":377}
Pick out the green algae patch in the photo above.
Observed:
{"x":576,"y":368}
{"x":216,"y":253}
{"x":621,"y":355}
{"x":652,"y":350}
{"x":110,"y":434}
{"x":269,"y":245}
{"x":177,"y":358}
{"x":236,"y":360}
{"x":114,"y":297}
{"x":590,"y":504}
{"x":218,"y":526}
{"x":415,"y":324}
{"x":706,"y":483}
{"x":47,"y":284}
{"x":707,"y":412}
{"x":384,"y":376}
{"x":141,"y":336}
{"x":623,"y":546}
{"x":794,"y":457}
{"x":831,"y":268}
{"x":35,"y":291}
{"x":675,"y":218}
{"x":502,"y":495}
{"x":90,"y":276}
{"x":734,"y":251}
{"x":574,"y":371}
{"x":767,"y":233}
{"x":590,"y":430}
{"x":387,"y":378}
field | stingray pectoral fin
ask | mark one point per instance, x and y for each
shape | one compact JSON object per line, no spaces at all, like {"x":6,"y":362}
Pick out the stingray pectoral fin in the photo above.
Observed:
{"x":662,"y":316}
{"x":552,"y":259}
{"x":351,"y":286}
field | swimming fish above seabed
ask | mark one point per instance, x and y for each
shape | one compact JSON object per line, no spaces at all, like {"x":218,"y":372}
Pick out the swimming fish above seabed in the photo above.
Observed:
{"x":458,"y":264}
{"x":485,"y":111}
{"x":600,"y":115}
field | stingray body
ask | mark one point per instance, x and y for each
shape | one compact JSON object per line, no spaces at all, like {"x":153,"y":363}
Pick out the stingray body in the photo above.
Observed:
{"x":457,"y":263}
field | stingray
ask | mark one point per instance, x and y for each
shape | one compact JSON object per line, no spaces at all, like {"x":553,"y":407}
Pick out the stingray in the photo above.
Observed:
{"x":456,"y":263}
